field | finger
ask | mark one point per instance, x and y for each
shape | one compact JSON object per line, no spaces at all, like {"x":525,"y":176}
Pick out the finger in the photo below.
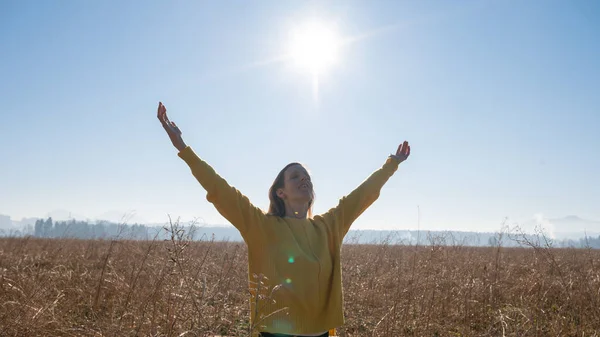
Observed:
{"x":177,"y":129}
{"x":162,"y":112}
{"x":399,"y":149}
{"x":405,"y":147}
{"x":162,"y":118}
{"x":408,"y":151}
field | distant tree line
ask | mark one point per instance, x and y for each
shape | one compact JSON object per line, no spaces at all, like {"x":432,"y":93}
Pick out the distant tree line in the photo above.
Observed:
{"x":83,"y":230}
{"x":537,"y":240}
{"x":588,"y":242}
{"x":47,"y":228}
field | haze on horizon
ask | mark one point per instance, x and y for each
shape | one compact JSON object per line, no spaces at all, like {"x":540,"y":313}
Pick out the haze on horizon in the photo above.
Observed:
{"x":499,"y":100}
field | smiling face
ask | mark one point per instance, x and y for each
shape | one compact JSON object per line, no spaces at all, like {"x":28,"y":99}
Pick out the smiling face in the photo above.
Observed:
{"x":297,"y":186}
{"x":291,"y":186}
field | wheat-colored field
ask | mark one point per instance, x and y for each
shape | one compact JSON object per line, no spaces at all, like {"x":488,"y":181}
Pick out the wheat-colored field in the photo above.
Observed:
{"x":65,"y":287}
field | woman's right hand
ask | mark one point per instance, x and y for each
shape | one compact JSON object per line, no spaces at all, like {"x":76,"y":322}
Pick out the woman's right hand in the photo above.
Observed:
{"x":172,"y":129}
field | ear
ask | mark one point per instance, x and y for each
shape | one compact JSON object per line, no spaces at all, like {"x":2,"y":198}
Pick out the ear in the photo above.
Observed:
{"x":280,"y":193}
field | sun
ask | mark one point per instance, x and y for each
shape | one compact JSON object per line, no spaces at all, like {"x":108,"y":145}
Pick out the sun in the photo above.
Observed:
{"x":314,"y":46}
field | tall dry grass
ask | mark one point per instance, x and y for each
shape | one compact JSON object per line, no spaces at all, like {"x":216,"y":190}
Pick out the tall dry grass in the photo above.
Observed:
{"x":66,"y":287}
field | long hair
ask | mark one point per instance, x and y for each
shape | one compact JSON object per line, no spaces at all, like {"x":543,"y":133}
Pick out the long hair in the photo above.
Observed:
{"x":277,"y":205}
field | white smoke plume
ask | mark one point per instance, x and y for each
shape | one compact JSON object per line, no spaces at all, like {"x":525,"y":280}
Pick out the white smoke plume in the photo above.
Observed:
{"x":545,"y":225}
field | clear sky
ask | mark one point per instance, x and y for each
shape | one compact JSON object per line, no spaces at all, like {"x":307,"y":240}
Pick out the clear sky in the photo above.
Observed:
{"x":500,"y":101}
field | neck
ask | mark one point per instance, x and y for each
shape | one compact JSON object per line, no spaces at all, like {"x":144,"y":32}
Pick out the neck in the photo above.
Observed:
{"x":298,"y":210}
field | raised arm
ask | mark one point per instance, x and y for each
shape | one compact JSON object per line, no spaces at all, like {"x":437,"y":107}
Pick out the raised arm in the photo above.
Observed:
{"x":354,"y":204}
{"x":228,"y":201}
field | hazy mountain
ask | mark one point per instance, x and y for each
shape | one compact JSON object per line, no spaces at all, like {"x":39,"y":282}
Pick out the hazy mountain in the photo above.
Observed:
{"x":573,"y":223}
{"x":63,"y":215}
{"x":25,"y":222}
{"x":117,"y":216}
{"x":5,"y":222}
{"x":569,"y":227}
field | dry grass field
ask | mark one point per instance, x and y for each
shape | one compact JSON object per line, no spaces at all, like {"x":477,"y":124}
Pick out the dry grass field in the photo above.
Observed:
{"x":65,"y":287}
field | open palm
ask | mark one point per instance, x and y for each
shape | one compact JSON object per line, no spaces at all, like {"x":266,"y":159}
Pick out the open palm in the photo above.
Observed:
{"x":170,"y":127}
{"x":403,"y":152}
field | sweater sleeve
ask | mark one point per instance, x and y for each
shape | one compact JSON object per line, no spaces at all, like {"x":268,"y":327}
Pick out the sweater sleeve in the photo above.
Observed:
{"x":354,"y":204}
{"x":229,"y":202}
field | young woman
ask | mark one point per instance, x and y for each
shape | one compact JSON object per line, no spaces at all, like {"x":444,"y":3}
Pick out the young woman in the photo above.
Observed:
{"x":296,"y":251}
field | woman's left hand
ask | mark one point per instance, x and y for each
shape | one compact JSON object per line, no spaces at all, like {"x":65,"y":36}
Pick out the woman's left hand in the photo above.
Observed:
{"x":403,"y":152}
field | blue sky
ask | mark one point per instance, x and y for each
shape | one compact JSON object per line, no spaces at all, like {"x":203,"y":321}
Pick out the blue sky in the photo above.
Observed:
{"x":499,"y":100}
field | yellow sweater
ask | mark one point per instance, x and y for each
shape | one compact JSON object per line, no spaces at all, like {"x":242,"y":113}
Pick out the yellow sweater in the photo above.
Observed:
{"x":300,"y":255}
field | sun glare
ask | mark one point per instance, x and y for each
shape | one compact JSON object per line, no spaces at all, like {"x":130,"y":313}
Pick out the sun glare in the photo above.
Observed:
{"x":314,"y":46}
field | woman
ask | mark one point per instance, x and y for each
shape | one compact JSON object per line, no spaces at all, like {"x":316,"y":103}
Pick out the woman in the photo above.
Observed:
{"x":297,"y":252}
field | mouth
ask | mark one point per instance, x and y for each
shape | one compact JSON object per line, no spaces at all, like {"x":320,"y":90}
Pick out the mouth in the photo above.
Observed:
{"x":304,"y":186}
